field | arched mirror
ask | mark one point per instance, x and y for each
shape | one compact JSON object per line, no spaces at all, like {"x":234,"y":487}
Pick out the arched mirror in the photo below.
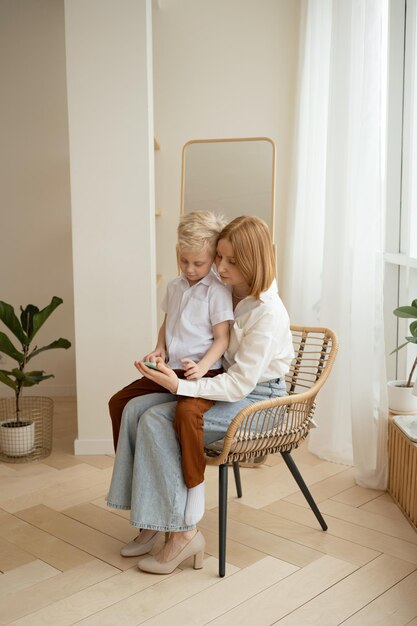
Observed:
{"x":230,"y":176}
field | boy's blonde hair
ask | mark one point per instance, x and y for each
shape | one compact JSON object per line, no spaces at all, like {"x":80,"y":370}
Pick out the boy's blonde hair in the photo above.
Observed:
{"x":198,"y":230}
{"x":253,"y":251}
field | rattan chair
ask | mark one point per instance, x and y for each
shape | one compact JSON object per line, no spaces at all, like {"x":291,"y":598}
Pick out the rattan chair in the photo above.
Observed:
{"x":277,"y":425}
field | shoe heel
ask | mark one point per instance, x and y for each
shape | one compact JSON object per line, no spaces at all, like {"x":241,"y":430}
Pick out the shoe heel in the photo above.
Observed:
{"x":198,"y":560}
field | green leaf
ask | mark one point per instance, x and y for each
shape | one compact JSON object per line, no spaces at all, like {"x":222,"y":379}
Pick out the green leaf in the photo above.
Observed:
{"x":26,"y":318}
{"x":412,"y":339}
{"x":8,"y":348}
{"x":8,"y":317}
{"x":40,"y":318}
{"x":17,"y":373}
{"x":414,"y":303}
{"x":34,"y":378}
{"x":59,"y":343}
{"x":399,"y":347}
{"x":413,"y":328}
{"x":406,"y":311}
{"x":4,"y":378}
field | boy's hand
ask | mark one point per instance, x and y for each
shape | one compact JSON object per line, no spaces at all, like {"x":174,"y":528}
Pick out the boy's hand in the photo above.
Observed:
{"x":152,"y":356}
{"x":193,"y":370}
{"x":164,"y":375}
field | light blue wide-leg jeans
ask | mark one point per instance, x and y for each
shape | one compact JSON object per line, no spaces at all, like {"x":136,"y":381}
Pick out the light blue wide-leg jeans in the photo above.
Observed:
{"x":147,"y":474}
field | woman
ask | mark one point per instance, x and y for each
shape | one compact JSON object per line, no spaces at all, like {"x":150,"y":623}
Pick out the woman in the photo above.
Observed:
{"x":147,"y":476}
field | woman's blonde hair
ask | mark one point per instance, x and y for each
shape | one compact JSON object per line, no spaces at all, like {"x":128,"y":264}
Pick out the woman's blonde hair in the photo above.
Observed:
{"x":198,"y":230}
{"x":253,"y":251}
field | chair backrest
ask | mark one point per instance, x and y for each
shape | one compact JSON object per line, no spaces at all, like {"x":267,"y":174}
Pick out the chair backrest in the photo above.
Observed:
{"x":280,"y":423}
{"x":315,"y":350}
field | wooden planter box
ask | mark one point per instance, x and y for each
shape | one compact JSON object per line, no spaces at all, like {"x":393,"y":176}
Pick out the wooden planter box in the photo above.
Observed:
{"x":402,"y":482}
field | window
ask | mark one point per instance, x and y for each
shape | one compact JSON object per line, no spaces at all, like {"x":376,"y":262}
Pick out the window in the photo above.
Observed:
{"x":401,"y":219}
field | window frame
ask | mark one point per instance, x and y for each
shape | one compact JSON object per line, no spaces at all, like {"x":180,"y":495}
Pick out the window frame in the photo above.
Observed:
{"x":400,"y":257}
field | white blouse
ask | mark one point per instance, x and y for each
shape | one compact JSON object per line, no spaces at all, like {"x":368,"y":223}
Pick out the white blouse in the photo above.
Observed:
{"x":260,"y":349}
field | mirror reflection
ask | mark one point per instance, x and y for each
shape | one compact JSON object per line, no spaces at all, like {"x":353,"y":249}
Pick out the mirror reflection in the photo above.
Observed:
{"x":230,"y":176}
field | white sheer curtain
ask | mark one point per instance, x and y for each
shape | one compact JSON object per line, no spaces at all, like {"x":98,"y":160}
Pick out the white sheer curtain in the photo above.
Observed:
{"x":334,"y":256}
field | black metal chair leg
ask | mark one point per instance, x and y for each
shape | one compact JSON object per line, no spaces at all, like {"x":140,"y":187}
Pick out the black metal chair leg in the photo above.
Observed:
{"x":300,"y":482}
{"x":236,"y":472}
{"x":222,"y":518}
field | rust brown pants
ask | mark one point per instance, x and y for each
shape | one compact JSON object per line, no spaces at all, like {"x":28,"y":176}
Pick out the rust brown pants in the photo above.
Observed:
{"x":188,"y":423}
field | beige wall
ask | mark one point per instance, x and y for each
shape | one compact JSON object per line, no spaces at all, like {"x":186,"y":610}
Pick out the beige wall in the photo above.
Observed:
{"x":111,"y":153}
{"x":224,"y":68}
{"x":35,"y":217}
{"x":221,"y":68}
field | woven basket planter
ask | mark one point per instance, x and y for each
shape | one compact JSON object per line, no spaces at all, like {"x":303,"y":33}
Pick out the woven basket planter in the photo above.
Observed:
{"x":31,"y":441}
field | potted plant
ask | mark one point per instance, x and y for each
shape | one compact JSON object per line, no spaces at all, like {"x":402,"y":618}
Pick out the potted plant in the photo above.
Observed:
{"x":17,"y":432}
{"x":400,"y":396}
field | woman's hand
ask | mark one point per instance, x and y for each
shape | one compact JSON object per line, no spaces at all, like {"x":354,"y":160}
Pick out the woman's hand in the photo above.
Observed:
{"x":164,"y":375}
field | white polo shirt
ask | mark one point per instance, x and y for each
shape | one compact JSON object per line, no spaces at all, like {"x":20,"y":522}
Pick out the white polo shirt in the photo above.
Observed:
{"x":260,"y":349}
{"x":191,"y":314}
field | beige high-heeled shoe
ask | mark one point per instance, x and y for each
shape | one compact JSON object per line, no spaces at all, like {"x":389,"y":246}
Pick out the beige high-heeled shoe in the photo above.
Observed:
{"x":194,"y":548}
{"x":133,"y":548}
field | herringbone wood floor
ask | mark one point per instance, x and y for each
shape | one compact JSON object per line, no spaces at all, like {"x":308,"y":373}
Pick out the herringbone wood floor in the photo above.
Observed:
{"x":60,"y":562}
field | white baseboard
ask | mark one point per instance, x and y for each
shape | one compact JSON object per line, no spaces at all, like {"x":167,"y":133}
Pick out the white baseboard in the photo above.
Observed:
{"x":86,"y":447}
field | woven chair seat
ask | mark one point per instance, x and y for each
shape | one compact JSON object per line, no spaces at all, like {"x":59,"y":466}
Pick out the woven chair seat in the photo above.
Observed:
{"x":255,"y":445}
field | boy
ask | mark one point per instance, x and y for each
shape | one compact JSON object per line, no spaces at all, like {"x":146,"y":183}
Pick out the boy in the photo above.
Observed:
{"x":192,"y":339}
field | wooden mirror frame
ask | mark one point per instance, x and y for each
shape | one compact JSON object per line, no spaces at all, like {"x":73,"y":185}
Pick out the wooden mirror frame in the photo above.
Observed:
{"x":271,"y":222}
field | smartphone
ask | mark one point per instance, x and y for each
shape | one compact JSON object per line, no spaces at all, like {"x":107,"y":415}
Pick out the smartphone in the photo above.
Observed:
{"x":151,"y":365}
